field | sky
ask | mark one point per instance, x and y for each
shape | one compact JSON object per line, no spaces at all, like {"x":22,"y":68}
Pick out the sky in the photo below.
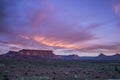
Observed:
{"x":82,"y":27}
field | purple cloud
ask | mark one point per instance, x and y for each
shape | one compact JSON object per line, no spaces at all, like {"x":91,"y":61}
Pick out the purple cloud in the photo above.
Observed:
{"x":117,"y":9}
{"x":42,"y":24}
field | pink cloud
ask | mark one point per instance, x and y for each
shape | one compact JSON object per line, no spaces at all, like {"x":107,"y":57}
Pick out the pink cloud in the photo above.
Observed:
{"x":41,"y":29}
{"x":117,"y":9}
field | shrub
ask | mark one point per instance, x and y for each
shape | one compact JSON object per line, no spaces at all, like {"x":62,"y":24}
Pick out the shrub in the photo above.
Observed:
{"x":26,"y":73}
{"x":6,"y":79}
{"x":2,"y":65}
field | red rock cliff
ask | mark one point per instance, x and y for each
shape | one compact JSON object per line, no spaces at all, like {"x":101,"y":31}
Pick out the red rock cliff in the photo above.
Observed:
{"x":38,"y":53}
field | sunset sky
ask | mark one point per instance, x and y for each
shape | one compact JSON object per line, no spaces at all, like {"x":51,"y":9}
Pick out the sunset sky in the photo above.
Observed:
{"x":83,"y":27}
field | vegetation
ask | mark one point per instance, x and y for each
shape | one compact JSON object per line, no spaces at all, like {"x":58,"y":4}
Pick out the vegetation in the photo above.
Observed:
{"x":58,"y":70}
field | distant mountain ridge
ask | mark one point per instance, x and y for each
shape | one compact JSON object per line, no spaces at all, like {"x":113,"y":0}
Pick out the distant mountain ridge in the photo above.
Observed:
{"x":48,"y":54}
{"x":112,"y":57}
{"x":102,"y":57}
{"x":70,"y":57}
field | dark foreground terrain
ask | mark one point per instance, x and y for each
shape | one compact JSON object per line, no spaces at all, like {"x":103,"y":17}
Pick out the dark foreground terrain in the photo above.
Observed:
{"x":15,"y":69}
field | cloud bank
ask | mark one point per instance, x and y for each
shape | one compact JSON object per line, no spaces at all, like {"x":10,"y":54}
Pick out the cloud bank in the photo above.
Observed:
{"x":36,"y":24}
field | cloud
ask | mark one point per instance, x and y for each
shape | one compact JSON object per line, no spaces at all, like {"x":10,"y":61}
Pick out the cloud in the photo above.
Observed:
{"x":53,"y":43}
{"x":27,"y":17}
{"x":17,"y":21}
{"x":68,"y":40}
{"x":106,"y":48}
{"x":15,"y":48}
{"x":60,"y":34}
{"x":117,"y":9}
{"x":34,"y":26}
{"x":92,"y":50}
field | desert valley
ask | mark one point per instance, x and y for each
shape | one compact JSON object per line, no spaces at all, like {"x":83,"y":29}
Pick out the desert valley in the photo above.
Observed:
{"x":44,"y":65}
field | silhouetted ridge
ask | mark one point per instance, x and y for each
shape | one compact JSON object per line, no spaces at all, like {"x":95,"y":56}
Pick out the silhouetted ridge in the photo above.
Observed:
{"x":70,"y":57}
{"x":31,"y":54}
{"x":102,"y":55}
{"x":11,"y":54}
{"x":48,"y":54}
{"x":112,"y":57}
{"x":117,"y":54}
